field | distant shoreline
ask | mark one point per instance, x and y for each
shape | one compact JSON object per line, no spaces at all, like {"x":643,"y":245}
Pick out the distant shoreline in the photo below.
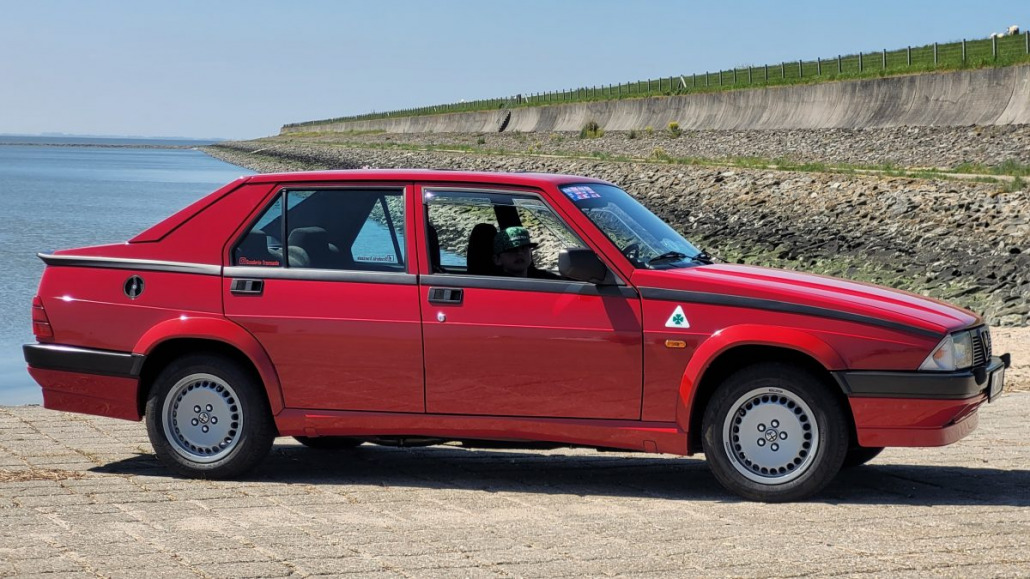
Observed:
{"x":4,"y":143}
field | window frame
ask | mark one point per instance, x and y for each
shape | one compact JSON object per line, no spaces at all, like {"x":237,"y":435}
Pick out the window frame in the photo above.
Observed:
{"x":471,"y":191}
{"x":284,"y":270}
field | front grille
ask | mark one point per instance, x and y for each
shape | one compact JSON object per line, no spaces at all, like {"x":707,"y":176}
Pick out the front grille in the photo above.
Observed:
{"x":981,"y":346}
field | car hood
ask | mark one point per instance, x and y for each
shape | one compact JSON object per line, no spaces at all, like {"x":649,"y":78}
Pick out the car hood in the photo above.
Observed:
{"x":789,"y":288}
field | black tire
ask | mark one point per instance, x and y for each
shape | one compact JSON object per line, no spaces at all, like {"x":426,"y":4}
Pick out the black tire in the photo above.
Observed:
{"x":207,"y":417}
{"x":859,"y":455}
{"x":329,"y":442}
{"x":799,"y":432}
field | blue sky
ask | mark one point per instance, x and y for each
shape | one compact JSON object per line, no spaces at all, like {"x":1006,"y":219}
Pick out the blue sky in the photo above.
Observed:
{"x":241,"y":69}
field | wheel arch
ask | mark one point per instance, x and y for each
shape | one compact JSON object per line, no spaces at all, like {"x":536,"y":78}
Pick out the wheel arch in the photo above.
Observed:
{"x":175,"y":338}
{"x":731,"y":351}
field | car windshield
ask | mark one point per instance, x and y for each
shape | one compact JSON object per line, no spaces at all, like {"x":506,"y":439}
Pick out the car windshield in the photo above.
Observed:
{"x":646,"y":240}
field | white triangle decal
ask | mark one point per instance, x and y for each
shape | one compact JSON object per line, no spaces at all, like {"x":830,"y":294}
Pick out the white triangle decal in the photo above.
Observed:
{"x":678,"y":319}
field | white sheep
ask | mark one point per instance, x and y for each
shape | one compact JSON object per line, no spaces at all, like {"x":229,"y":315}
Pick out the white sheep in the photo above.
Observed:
{"x":1013,"y":30}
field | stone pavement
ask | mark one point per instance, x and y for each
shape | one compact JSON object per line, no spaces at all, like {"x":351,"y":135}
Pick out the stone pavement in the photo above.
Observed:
{"x":83,"y":496}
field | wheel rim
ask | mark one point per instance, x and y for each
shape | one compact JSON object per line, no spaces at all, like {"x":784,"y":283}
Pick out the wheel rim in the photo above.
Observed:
{"x":203,"y":418}
{"x":771,"y":436}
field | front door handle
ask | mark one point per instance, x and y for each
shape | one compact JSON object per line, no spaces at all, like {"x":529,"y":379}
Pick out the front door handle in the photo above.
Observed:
{"x":249,"y":287}
{"x":445,"y":295}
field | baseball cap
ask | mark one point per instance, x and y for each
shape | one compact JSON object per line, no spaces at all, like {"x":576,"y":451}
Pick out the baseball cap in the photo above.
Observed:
{"x":511,"y":238}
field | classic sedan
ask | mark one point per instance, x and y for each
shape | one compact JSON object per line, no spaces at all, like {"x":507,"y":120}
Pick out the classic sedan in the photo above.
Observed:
{"x":415,"y":307}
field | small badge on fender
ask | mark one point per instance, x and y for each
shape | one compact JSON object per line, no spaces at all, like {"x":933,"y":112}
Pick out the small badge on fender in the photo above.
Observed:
{"x":133,"y":287}
{"x":678,"y":319}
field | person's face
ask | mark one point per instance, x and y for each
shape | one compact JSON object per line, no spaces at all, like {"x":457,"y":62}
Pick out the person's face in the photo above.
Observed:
{"x":515,"y":261}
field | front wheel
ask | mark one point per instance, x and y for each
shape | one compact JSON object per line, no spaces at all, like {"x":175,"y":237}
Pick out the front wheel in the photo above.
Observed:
{"x":207,"y":417}
{"x":774,"y":433}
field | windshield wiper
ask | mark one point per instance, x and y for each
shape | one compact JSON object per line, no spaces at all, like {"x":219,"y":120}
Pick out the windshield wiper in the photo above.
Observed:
{"x":667,"y":256}
{"x":701,"y":257}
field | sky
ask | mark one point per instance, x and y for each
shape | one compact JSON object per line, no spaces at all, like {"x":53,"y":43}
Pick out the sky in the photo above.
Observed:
{"x":240,"y":69}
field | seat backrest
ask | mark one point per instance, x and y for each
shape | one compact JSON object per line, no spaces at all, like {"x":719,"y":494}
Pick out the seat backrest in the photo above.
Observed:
{"x":480,"y":254}
{"x":253,"y":250}
{"x":434,"y":250}
{"x":314,"y":243}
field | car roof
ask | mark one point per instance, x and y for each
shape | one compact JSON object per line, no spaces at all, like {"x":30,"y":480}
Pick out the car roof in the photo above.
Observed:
{"x":423,"y":175}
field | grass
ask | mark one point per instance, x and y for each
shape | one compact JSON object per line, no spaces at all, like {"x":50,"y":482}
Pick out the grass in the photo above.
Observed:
{"x":963,"y":55}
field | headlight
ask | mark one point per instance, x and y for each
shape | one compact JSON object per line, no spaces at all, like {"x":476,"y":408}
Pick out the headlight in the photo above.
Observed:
{"x":953,"y":353}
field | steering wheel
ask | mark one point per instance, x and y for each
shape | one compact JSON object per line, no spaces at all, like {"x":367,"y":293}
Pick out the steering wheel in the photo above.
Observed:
{"x":632,"y":253}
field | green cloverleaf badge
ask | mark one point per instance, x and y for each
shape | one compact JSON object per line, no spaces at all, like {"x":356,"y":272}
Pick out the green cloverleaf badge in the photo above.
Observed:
{"x":678,"y":319}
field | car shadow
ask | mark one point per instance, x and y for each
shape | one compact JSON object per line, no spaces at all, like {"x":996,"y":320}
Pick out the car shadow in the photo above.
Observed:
{"x":601,"y":474}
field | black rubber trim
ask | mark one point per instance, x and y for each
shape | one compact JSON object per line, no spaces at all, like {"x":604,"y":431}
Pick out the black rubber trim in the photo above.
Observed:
{"x":933,"y":385}
{"x":296,"y":273}
{"x":777,"y":306}
{"x":131,"y":264}
{"x":83,"y":360}
{"x":557,"y":286}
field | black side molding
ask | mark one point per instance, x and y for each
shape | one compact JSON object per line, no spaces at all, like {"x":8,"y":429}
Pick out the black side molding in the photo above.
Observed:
{"x":83,"y":360}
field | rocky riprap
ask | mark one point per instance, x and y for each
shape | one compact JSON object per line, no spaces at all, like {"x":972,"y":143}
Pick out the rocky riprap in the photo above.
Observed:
{"x":962,"y":241}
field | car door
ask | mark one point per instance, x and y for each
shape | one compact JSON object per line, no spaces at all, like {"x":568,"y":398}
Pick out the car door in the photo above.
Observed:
{"x":506,"y":346}
{"x":322,"y":280}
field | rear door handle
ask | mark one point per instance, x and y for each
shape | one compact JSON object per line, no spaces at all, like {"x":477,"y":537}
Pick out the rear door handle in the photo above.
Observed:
{"x":250,"y":287}
{"x":445,"y":295}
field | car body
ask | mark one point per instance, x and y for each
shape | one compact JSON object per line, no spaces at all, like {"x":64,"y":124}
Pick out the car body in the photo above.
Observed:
{"x":341,"y":307}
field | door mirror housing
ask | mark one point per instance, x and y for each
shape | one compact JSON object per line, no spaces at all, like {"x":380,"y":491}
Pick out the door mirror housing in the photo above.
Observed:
{"x":582,"y":264}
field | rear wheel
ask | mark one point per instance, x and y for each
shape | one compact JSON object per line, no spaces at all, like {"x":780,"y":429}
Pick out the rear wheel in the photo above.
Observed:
{"x":773,"y":432}
{"x":208,"y":418}
{"x":859,"y":455}
{"x":328,"y":442}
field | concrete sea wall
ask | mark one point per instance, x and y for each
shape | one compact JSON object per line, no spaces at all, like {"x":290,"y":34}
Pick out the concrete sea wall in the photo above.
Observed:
{"x":991,"y":96}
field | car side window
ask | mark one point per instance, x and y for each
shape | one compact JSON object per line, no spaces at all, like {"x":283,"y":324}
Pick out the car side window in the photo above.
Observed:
{"x":262,"y":246}
{"x":340,"y":229}
{"x":463,"y":226}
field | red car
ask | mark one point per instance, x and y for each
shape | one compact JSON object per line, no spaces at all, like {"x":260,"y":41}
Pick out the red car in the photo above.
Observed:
{"x":413,"y":307}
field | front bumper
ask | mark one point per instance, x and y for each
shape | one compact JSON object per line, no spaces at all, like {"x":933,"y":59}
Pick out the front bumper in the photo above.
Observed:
{"x":927,"y":385}
{"x":920,"y":408}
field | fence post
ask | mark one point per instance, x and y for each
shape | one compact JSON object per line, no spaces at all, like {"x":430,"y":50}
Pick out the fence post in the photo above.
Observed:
{"x":963,"y":50}
{"x":750,"y":78}
{"x":840,"y":68}
{"x":1028,"y":41}
{"x":994,"y":47}
{"x":818,"y":66}
{"x":783,"y":70}
{"x":884,"y":59}
{"x":935,"y":54}
{"x":801,"y":69}
{"x":908,"y":53}
{"x":860,"y":66}
{"x":767,"y":73}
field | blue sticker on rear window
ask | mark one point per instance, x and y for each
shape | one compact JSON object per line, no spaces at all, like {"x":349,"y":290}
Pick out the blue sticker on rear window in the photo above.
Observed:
{"x":581,"y":192}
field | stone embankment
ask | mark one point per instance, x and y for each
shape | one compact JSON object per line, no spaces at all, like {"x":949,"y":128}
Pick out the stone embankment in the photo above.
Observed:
{"x":967,"y":242}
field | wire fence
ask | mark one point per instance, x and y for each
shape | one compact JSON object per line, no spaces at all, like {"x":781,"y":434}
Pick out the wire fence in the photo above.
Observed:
{"x":995,"y":51}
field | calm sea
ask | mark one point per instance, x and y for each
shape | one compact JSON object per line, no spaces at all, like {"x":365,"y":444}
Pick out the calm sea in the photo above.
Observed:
{"x":56,"y":197}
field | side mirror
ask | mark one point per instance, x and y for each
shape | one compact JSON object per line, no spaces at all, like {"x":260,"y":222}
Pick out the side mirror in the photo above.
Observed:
{"x":582,"y":264}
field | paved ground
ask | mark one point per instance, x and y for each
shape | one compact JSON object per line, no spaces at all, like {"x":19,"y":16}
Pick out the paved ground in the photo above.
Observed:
{"x":84,"y":497}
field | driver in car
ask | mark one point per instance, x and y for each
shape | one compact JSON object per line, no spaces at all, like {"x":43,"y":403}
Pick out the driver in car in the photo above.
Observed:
{"x":513,"y":254}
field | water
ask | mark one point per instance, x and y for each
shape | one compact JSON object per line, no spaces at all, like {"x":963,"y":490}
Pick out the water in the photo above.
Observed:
{"x":58,"y":197}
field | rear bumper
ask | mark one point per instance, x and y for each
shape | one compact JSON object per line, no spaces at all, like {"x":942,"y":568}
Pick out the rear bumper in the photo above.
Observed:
{"x":87,"y":381}
{"x":920,"y":408}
